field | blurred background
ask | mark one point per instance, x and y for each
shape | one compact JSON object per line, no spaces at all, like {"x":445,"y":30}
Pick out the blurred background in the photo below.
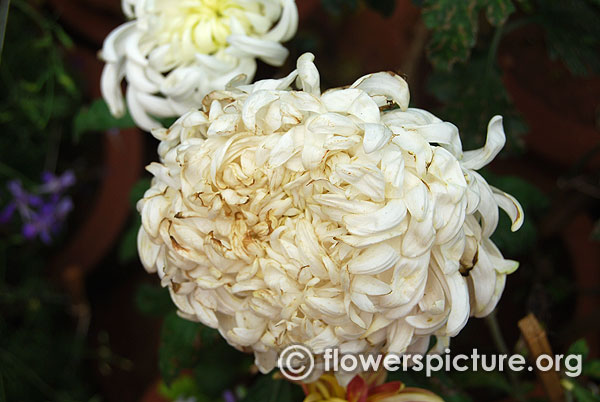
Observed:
{"x":80,"y":319}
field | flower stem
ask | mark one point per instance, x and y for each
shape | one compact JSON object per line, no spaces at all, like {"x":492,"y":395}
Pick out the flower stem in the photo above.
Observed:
{"x":494,"y":327}
{"x":4,"y":6}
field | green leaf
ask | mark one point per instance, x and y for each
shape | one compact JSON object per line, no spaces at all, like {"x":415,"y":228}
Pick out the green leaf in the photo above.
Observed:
{"x":182,"y":388}
{"x":384,"y":7}
{"x":67,"y":83}
{"x":268,"y":389}
{"x":579,"y":347}
{"x":472,"y":94}
{"x":442,"y":384}
{"x":339,"y":7}
{"x":128,"y":245}
{"x":63,"y":37}
{"x":454,"y":26}
{"x":498,"y":11}
{"x":583,"y":394}
{"x":483,"y":379}
{"x":190,"y":346}
{"x":137,"y":191}
{"x":525,"y":5}
{"x":153,"y":300}
{"x":180,"y":341}
{"x":97,"y":117}
{"x":592,"y":368}
{"x":219,"y":365}
{"x":572,"y":33}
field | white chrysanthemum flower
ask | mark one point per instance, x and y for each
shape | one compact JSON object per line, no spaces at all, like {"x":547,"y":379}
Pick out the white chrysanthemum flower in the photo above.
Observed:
{"x":173,"y":52}
{"x":342,"y":218}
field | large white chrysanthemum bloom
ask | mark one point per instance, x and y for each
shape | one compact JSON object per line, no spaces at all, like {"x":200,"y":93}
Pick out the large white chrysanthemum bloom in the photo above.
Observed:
{"x":173,"y":52}
{"x":342,"y":218}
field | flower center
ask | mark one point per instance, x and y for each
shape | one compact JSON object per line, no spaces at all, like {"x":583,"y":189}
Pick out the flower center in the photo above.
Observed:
{"x":199,"y":26}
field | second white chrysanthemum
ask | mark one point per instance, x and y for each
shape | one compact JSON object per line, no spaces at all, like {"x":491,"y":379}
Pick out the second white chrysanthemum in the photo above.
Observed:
{"x":173,"y":52}
{"x":343,"y":219}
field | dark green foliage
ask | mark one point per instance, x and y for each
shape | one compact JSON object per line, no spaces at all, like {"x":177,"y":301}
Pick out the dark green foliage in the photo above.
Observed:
{"x":582,"y":394}
{"x":572,"y":30}
{"x":491,"y":380}
{"x":454,"y":26}
{"x":579,"y":390}
{"x":153,"y":300}
{"x":384,"y":7}
{"x":592,"y":369}
{"x":187,"y":345}
{"x":128,"y":244}
{"x":338,"y":8}
{"x":472,"y":94}
{"x":38,"y":94}
{"x":138,"y":190}
{"x":497,"y":11}
{"x":269,"y":389}
{"x":180,"y":343}
{"x":97,"y":117}
{"x":184,"y":387}
{"x":534,"y":203}
{"x":580,"y":347}
{"x":40,"y":353}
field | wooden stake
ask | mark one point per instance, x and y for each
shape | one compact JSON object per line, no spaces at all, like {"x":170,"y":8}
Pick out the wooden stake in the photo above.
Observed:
{"x":537,"y":343}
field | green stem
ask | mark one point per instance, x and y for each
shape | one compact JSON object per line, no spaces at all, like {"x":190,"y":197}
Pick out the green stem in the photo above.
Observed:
{"x":491,"y":59}
{"x":4,"y":7}
{"x":34,"y":379}
{"x":497,"y":38}
{"x":494,"y":327}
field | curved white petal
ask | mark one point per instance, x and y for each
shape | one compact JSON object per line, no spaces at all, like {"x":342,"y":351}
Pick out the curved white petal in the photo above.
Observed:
{"x":494,"y":143}
{"x":511,"y":206}
{"x":374,"y":260}
{"x":386,"y":218}
{"x":384,"y":87}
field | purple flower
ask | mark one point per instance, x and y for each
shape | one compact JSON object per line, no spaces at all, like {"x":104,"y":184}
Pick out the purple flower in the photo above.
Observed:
{"x":229,"y":396}
{"x":7,"y":213}
{"x":48,"y":219}
{"x":53,"y":184}
{"x":42,"y":213}
{"x":22,"y":201}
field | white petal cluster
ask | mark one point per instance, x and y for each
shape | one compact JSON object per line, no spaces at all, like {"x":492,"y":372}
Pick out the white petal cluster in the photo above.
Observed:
{"x":342,"y":218}
{"x":173,"y":52}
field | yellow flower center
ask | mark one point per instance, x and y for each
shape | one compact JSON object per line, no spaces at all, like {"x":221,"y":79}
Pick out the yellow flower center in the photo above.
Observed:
{"x":199,"y":26}
{"x":325,"y":389}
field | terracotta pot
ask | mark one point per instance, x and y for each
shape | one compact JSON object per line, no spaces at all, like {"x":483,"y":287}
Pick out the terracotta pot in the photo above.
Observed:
{"x":122,"y":163}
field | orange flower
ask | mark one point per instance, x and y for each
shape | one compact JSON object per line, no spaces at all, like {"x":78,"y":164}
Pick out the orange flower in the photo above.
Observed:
{"x":370,"y":387}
